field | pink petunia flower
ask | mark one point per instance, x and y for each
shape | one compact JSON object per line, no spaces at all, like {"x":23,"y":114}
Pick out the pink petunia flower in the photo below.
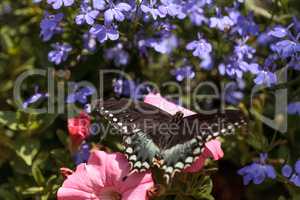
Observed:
{"x":212,"y":148}
{"x":102,"y":178}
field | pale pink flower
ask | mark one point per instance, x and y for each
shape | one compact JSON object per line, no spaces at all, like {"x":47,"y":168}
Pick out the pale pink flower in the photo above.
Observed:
{"x":212,"y":148}
{"x":102,"y":178}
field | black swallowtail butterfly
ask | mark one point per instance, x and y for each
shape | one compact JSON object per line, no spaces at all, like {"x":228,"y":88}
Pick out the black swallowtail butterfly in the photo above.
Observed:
{"x":153,"y":137}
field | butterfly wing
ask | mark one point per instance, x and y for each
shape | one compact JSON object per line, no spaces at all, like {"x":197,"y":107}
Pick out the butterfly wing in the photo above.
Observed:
{"x":194,"y":131}
{"x":137,"y":122}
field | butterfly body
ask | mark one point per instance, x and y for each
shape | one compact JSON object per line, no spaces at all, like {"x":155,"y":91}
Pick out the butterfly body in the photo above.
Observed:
{"x":153,"y":137}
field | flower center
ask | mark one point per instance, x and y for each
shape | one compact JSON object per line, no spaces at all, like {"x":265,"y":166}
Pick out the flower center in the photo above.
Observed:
{"x":110,"y":194}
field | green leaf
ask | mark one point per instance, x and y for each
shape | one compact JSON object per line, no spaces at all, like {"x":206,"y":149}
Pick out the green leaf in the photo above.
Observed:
{"x":10,"y":120}
{"x":37,"y":174}
{"x":27,"y":150}
{"x":33,"y":190}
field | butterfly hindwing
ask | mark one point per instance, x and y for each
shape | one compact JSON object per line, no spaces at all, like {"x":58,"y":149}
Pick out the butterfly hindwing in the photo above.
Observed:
{"x":140,"y":151}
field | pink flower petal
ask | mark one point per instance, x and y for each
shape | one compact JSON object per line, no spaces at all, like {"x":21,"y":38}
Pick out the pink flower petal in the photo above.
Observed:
{"x":162,"y":103}
{"x":113,"y":166}
{"x":117,"y":167}
{"x":82,"y":183}
{"x":102,"y":176}
{"x":74,"y":194}
{"x":212,"y":148}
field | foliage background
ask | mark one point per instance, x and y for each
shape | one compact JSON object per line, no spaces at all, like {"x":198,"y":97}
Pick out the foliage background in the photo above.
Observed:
{"x":34,"y":147}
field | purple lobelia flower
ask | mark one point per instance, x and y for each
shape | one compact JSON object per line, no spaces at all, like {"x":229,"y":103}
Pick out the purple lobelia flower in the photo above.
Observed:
{"x":186,"y":72}
{"x":286,"y":171}
{"x":265,"y":38}
{"x":34,"y":98}
{"x":266,"y":77}
{"x":206,"y":62}
{"x":246,"y":26}
{"x":117,"y":54}
{"x":103,"y":32}
{"x":60,"y":53}
{"x":270,"y":61}
{"x":286,"y":48}
{"x":295,"y":178}
{"x":57,"y":4}
{"x":234,"y":13}
{"x":83,"y":154}
{"x":151,"y":8}
{"x":294,"y":108}
{"x":297,"y":167}
{"x":129,"y":88}
{"x":220,"y":22}
{"x":292,"y":174}
{"x":172,"y":8}
{"x":278,"y":32}
{"x":116,"y":12}
{"x":99,"y":4}
{"x":233,"y":93}
{"x":50,"y":25}
{"x":80,"y":95}
{"x":235,"y":67}
{"x":296,"y":24}
{"x":194,"y":9}
{"x":87,"y":15}
{"x":199,"y":47}
{"x":257,"y":172}
{"x":89,"y":42}
{"x":165,"y":44}
{"x":124,"y":87}
{"x":242,"y":50}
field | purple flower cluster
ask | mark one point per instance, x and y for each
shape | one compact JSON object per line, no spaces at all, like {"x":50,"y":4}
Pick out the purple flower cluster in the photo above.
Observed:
{"x":50,"y":25}
{"x":129,"y":88}
{"x":233,"y":92}
{"x":80,"y":95}
{"x":182,"y":73}
{"x":87,"y":15}
{"x":118,"y":55}
{"x":257,"y":172}
{"x":158,"y":26}
{"x":57,"y":4}
{"x":285,"y":44}
{"x":37,"y":96}
{"x":294,"y":108}
{"x":294,"y":176}
{"x":83,"y":154}
{"x":59,"y":53}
